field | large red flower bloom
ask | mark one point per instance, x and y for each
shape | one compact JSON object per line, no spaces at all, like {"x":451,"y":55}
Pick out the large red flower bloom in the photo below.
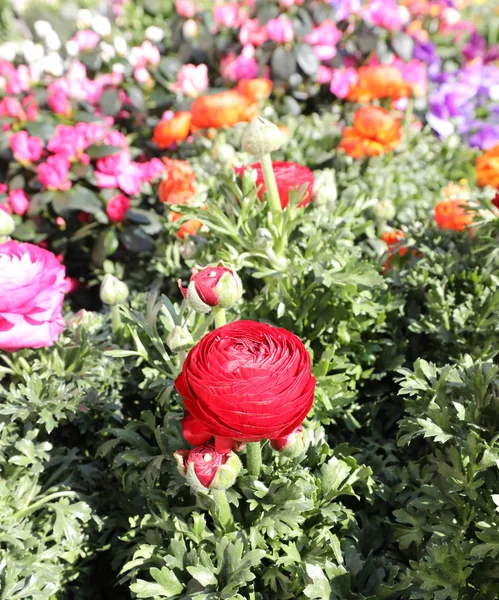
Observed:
{"x":245,"y":381}
{"x":289,"y":176}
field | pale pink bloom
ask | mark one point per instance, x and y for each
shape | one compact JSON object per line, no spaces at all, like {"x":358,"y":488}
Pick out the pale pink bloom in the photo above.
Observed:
{"x":86,"y":39}
{"x":26,"y":149}
{"x":280,"y":30}
{"x":30,"y":106}
{"x":18,"y":201}
{"x":5,"y":208}
{"x":118,"y":171}
{"x":90,"y":133}
{"x":116,"y":138}
{"x":59,"y":103}
{"x":141,"y":75}
{"x":324,"y":74}
{"x":151,"y":170}
{"x":192,"y":80}
{"x":253,"y":33}
{"x":185,"y":8}
{"x":60,"y":222}
{"x":342,"y":80}
{"x":324,"y":39}
{"x":19,"y":81}
{"x":145,"y":54}
{"x":53,"y":174}
{"x":290,"y":3}
{"x":384,"y":13}
{"x":11,"y":107}
{"x":68,"y":142}
{"x":33,"y":284}
{"x":228,"y":15}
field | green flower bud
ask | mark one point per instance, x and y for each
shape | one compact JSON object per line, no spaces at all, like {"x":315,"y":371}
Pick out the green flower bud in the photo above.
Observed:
{"x":7,"y":224}
{"x":112,"y":290}
{"x":179,"y":338}
{"x":261,"y":137}
{"x":325,"y":190}
{"x":291,"y":445}
{"x":385,"y":210}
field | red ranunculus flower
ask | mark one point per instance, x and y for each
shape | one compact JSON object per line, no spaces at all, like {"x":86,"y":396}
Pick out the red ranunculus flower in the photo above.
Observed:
{"x":289,"y":176}
{"x":245,"y":381}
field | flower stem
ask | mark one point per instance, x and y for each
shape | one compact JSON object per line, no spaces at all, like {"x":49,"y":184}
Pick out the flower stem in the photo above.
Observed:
{"x":220,"y":319}
{"x":254,"y":458}
{"x":115,"y":318}
{"x":221,"y":509}
{"x":36,"y":505}
{"x":271,"y":185}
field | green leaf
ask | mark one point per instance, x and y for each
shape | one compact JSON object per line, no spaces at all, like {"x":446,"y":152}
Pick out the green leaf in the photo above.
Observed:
{"x":101,"y":150}
{"x":110,"y":102}
{"x":136,"y":240}
{"x":203,"y":575}
{"x":283,"y":63}
{"x":319,"y":588}
{"x":306,"y":59}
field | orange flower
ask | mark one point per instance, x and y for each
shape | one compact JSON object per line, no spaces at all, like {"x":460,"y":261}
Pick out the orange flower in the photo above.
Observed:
{"x":175,"y":130}
{"x":179,"y":186}
{"x":224,"y":109}
{"x":452,"y":214}
{"x":393,"y":240}
{"x":379,"y":81}
{"x":190,"y":227}
{"x":374,"y":132}
{"x":487,"y":168}
{"x":256,"y":89}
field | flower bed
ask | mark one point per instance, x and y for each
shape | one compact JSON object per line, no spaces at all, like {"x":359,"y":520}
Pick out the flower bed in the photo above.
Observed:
{"x":248,"y":296}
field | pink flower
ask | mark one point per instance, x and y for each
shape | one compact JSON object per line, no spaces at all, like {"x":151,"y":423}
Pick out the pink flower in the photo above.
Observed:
{"x":117,"y":207}
{"x":90,"y":133}
{"x":53,"y":174}
{"x":141,"y":75}
{"x":228,"y":15}
{"x":151,"y":170}
{"x":415,"y":72}
{"x":324,"y":74}
{"x":116,"y":138}
{"x":33,"y":285}
{"x":384,"y":13}
{"x":253,"y":33}
{"x":30,"y":106}
{"x":4,"y":188}
{"x":59,"y":102}
{"x":118,"y":171}
{"x":11,"y":107}
{"x":68,"y":142}
{"x":145,"y":54}
{"x":192,"y":80}
{"x":342,"y":80}
{"x":290,"y":3}
{"x":18,"y":201}
{"x":26,"y":149}
{"x":324,"y":39}
{"x":280,"y":30}
{"x":185,"y":8}
{"x":243,"y":66}
{"x":86,"y":39}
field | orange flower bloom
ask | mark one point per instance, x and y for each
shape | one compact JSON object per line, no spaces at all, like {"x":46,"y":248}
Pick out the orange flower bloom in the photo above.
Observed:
{"x":179,"y":186}
{"x":224,"y":109}
{"x":393,"y":240}
{"x":487,"y":168}
{"x":452,"y":214}
{"x":379,"y":81}
{"x":256,"y":89}
{"x":374,"y":132}
{"x":190,"y":227}
{"x":174,"y":130}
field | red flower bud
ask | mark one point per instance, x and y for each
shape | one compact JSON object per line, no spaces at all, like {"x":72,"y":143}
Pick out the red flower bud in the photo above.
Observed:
{"x":294,"y":442}
{"x":212,"y":286}
{"x":204,"y":467}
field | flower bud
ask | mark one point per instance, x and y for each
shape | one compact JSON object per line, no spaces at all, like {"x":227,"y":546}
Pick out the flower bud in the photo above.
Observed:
{"x":179,"y":338}
{"x":385,"y":210}
{"x":292,"y":444}
{"x":261,"y":137}
{"x":212,"y":286}
{"x":325,"y":191}
{"x":7,"y":224}
{"x":112,"y":290}
{"x":190,"y":29}
{"x":205,"y":468}
{"x":223,"y":153}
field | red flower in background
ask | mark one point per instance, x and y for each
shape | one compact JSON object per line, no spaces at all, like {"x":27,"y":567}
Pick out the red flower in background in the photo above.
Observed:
{"x":117,"y":207}
{"x":289,"y":176}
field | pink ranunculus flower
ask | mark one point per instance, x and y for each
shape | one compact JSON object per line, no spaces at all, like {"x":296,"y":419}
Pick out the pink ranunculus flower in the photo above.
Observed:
{"x":32,"y":284}
{"x":18,"y":201}
{"x":117,"y":207}
{"x":185,"y":8}
{"x":192,"y":80}
{"x":59,"y":102}
{"x":342,"y":80}
{"x":86,"y":39}
{"x":324,"y":39}
{"x":53,"y":174}
{"x":26,"y":149}
{"x":253,"y":33}
{"x":119,"y":171}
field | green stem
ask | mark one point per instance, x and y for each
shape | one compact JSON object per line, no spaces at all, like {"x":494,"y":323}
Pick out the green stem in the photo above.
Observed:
{"x":271,"y":185}
{"x":408,"y":115}
{"x":254,"y":458}
{"x":115,"y":318}
{"x":220,"y":319}
{"x":221,"y":509}
{"x":26,"y":511}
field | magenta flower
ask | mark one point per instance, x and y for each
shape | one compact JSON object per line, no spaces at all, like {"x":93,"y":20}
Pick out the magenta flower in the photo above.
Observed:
{"x":117,"y":207}
{"x":280,"y":30}
{"x":68,"y":142}
{"x":53,"y":174}
{"x":119,"y":171}
{"x":253,"y":33}
{"x":18,"y":201}
{"x":324,"y":39}
{"x":342,"y":80}
{"x":384,"y":13}
{"x":59,"y":102}
{"x":26,"y":149}
{"x":192,"y":80}
{"x":86,"y":39}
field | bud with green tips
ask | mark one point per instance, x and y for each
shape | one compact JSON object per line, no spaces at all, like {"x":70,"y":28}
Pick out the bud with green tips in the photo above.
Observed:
{"x":113,"y":291}
{"x":261,"y":137}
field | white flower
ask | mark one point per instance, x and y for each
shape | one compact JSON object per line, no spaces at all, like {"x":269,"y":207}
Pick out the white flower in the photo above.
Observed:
{"x":107,"y":51}
{"x":8,"y":51}
{"x":84,"y":18}
{"x":120,"y":45}
{"x":118,"y":68}
{"x":42,"y":28}
{"x":53,"y":41}
{"x":154,"y":34}
{"x":53,"y":64}
{"x":32,"y":52}
{"x":101,"y":25}
{"x":72,"y":48}
{"x":494,"y":92}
